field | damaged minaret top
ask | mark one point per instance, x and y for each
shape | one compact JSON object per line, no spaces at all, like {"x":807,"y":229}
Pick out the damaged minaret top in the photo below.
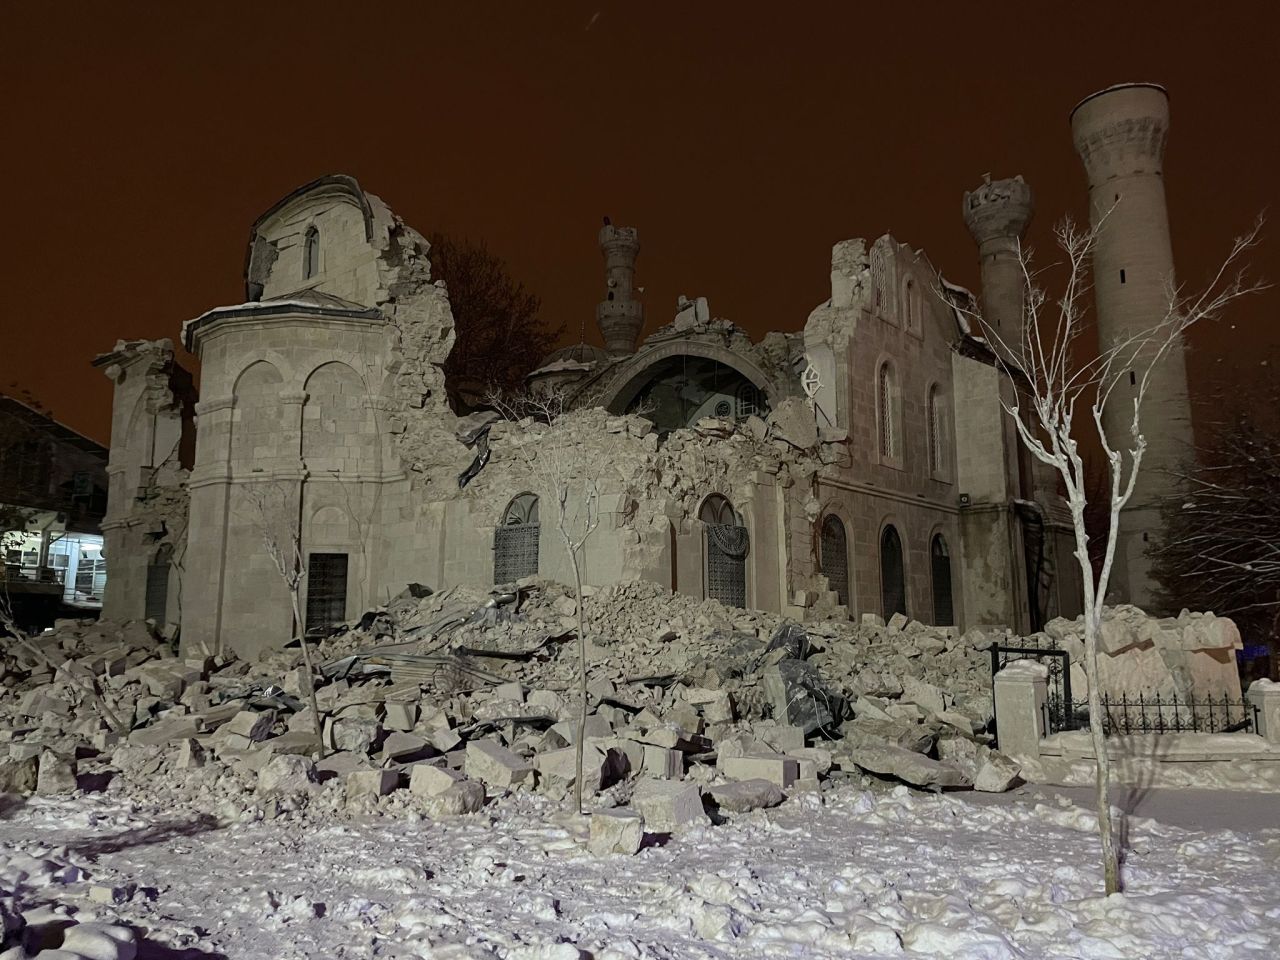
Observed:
{"x":997,"y":214}
{"x":620,"y":315}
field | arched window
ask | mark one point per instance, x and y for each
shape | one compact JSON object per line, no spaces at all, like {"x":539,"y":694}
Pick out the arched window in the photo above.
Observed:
{"x":311,"y":253}
{"x":727,"y":543}
{"x":893,"y":586}
{"x":156,"y":604}
{"x":748,"y":400}
{"x":940,"y":564}
{"x":515,"y":542}
{"x":935,"y":431}
{"x":885,"y":400}
{"x":835,"y":556}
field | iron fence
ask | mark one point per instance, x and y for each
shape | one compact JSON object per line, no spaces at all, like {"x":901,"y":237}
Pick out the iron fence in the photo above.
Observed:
{"x":1129,"y":713}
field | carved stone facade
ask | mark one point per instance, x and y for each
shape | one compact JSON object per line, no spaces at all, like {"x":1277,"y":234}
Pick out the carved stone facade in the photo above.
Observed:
{"x":724,"y":466}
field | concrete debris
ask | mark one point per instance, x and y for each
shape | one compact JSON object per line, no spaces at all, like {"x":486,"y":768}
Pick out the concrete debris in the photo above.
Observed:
{"x":616,"y":831}
{"x":440,"y":698}
{"x":740,"y":796}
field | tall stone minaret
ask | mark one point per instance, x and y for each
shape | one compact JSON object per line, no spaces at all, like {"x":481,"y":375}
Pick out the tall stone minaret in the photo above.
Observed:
{"x":997,"y":214}
{"x":1120,"y":135}
{"x":620,"y":315}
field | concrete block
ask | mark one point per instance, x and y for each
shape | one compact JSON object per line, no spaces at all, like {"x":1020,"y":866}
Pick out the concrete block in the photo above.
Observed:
{"x":777,"y":769}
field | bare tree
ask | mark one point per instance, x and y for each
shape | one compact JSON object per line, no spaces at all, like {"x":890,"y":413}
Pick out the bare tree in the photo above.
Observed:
{"x":1053,"y":383}
{"x":499,"y":335}
{"x":273,"y":511}
{"x":559,"y":466}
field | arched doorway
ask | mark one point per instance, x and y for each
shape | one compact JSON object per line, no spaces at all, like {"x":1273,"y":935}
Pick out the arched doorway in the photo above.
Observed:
{"x":727,"y":544}
{"x":893,"y":586}
{"x":156,"y":604}
{"x":834,"y":556}
{"x":515,"y":542}
{"x":940,"y":566}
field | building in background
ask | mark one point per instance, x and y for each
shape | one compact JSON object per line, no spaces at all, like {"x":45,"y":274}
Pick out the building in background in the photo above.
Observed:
{"x":53,"y":495}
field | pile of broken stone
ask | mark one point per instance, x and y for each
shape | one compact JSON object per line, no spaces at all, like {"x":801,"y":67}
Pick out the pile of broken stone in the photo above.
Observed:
{"x":438,"y":700}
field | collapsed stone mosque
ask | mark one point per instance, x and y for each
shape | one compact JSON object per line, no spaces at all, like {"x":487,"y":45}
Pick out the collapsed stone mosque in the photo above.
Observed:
{"x":864,"y":464}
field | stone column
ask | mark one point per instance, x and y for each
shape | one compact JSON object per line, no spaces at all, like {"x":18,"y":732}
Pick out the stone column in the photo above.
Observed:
{"x":1022,"y":690}
{"x":1120,"y":135}
{"x":1264,"y":699}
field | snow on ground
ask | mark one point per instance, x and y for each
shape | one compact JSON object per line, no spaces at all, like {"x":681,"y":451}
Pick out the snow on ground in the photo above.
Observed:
{"x":849,"y":874}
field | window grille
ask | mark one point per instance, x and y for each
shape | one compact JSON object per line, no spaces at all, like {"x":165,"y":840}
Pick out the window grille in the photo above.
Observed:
{"x":727,"y":545}
{"x":893,"y":588}
{"x":940,"y":562}
{"x":515,"y":542}
{"x":935,"y":432}
{"x":888,"y":441}
{"x":326,"y":591}
{"x":835,"y":557}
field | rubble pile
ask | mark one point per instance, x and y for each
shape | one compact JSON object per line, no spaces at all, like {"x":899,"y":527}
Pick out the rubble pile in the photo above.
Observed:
{"x":432,"y":704}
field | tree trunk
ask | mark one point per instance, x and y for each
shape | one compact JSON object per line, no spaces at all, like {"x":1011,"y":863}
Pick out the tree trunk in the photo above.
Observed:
{"x":579,"y":745}
{"x":306,"y":660}
{"x":1097,"y":733}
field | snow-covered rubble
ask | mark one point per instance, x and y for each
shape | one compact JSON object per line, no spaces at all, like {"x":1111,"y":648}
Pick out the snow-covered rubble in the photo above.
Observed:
{"x":451,"y":718}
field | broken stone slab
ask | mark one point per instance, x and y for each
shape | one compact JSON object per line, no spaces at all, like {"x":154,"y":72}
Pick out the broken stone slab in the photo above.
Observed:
{"x":562,"y":766}
{"x":497,"y":766}
{"x":371,"y":783}
{"x":661,"y":763}
{"x":894,"y":733}
{"x":19,"y":776}
{"x":401,"y":715}
{"x":251,"y":725}
{"x":405,"y":748}
{"x":428,"y":780}
{"x":668,"y":806}
{"x":923,"y":694}
{"x":775,"y":768}
{"x":997,"y":773}
{"x":740,"y":796}
{"x":618,"y":831}
{"x":286,"y":775}
{"x":909,"y":767}
{"x":460,"y":798}
{"x":356,"y":734}
{"x":191,"y":755}
{"x":97,"y":941}
{"x":56,"y":774}
{"x":168,"y":729}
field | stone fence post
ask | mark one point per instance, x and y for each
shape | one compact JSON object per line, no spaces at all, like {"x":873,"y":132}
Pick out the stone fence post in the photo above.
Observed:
{"x":1264,"y":698}
{"x":1021,"y":692}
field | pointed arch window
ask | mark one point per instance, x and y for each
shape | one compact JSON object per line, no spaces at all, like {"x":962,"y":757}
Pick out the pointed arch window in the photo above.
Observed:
{"x":940,"y":567}
{"x":727,"y":544}
{"x":835,"y":556}
{"x":893,"y":584}
{"x":515,"y":542}
{"x":311,"y":253}
{"x":886,"y":398}
{"x":934,"y":425}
